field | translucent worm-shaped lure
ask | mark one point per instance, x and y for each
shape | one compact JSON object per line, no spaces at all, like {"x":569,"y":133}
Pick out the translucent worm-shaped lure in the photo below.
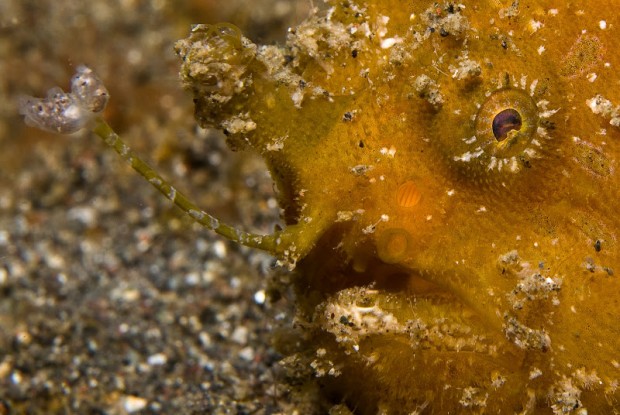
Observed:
{"x":69,"y":112}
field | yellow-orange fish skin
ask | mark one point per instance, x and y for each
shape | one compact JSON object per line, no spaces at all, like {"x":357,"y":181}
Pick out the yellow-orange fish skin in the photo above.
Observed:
{"x":458,"y":161}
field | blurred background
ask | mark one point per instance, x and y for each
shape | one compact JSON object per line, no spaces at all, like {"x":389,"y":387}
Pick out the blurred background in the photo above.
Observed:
{"x":111,"y":300}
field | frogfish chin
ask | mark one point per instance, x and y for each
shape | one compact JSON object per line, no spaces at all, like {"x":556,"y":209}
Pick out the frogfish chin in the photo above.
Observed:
{"x":447,"y":177}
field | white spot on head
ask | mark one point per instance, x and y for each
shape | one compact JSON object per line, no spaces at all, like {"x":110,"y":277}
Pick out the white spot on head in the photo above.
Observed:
{"x":535,"y":26}
{"x":514,"y":165}
{"x":389,"y":42}
{"x":388,"y":151}
{"x":470,"y":140}
{"x":468,"y":156}
{"x":548,"y":113}
{"x":542,"y":132}
{"x":533,"y":86}
{"x":535,"y":372}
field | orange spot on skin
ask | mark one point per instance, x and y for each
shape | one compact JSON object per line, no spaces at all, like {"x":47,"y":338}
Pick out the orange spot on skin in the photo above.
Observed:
{"x":393,"y":245}
{"x":408,"y":194}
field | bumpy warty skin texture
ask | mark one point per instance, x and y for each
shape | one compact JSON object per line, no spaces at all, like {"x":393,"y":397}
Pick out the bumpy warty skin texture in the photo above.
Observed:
{"x":449,"y":170}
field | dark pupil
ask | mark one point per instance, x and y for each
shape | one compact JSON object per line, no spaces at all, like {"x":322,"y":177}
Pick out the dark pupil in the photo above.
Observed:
{"x":506,"y":121}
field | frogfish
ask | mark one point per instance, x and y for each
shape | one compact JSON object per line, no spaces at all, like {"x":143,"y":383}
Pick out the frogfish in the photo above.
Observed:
{"x":447,"y":179}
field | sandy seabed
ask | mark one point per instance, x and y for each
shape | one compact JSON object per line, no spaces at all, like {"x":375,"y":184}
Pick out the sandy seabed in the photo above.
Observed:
{"x":111,"y":300}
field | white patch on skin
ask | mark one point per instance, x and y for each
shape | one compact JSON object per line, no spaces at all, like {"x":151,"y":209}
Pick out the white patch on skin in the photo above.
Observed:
{"x":277,"y":144}
{"x":535,"y":26}
{"x":602,"y":25}
{"x":533,"y":86}
{"x":428,"y":89}
{"x":599,"y":105}
{"x":241,"y":124}
{"x":468,"y":155}
{"x":345,"y":216}
{"x":466,"y":69}
{"x":514,"y":165}
{"x":542,"y":132}
{"x":388,"y":151}
{"x":350,"y":322}
{"x":541,"y":49}
{"x":535,"y":372}
{"x":389,"y":42}
{"x":544,"y":113}
{"x":470,"y":140}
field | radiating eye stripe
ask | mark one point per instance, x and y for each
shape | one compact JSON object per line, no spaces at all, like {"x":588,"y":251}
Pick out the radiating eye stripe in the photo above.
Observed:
{"x":509,"y":128}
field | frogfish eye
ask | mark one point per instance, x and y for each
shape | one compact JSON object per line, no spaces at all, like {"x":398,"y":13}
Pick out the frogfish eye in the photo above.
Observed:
{"x":496,"y":130}
{"x":506,"y":113}
{"x":506,"y":121}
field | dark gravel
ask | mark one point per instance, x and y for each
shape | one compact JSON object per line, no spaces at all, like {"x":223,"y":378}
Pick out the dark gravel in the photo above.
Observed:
{"x":111,"y":300}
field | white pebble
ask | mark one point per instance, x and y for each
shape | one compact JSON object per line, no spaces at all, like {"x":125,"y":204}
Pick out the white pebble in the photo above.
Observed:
{"x":247,"y":354}
{"x":4,"y":237}
{"x":55,"y":261}
{"x":133,"y":404}
{"x":157,"y":359}
{"x":260,"y":297}
{"x":240,"y":335}
{"x":192,"y":278}
{"x":219,"y":249}
{"x":83,"y":214}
